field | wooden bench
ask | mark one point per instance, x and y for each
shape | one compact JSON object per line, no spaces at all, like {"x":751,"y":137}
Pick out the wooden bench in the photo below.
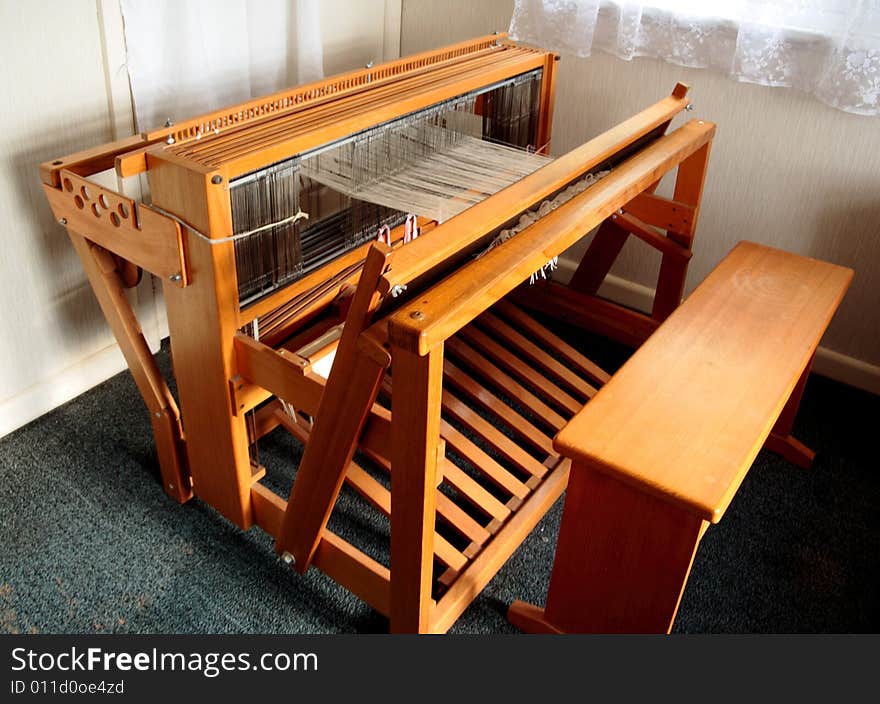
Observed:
{"x":658,"y":454}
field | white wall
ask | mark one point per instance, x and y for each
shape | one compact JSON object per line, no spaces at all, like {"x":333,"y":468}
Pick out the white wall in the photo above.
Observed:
{"x":65,"y":89}
{"x":60,"y":95}
{"x":785,"y":169}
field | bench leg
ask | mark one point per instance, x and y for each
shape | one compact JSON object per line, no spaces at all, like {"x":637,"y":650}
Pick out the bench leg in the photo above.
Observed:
{"x":780,"y":439}
{"x":622,"y":561}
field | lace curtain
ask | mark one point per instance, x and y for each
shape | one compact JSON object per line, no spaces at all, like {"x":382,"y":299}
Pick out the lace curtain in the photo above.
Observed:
{"x":188,"y":58}
{"x":830,"y":48}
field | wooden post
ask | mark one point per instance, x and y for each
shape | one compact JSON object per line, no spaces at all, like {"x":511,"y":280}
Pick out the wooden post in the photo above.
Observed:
{"x":622,"y":561}
{"x":546,"y":101}
{"x":599,"y":257}
{"x":780,"y":439}
{"x":673,"y":269}
{"x":106,"y":282}
{"x":415,"y":434}
{"x":202,"y":320}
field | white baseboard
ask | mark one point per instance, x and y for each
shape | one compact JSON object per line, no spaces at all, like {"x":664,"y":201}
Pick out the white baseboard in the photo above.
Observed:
{"x":51,"y":393}
{"x":840,"y":367}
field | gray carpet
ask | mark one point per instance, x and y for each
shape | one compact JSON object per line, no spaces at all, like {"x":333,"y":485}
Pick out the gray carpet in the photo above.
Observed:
{"x":91,"y":544}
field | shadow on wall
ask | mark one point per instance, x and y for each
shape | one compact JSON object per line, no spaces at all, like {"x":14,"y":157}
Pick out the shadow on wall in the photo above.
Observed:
{"x":61,"y":297}
{"x":855,"y":326}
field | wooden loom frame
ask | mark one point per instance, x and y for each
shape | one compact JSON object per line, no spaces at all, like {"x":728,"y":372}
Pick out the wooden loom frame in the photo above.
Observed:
{"x":222,"y":373}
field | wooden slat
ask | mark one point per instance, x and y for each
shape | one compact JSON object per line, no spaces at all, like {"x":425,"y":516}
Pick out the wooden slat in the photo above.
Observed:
{"x":604,"y":317}
{"x":552,"y":367}
{"x":354,"y":570}
{"x":454,"y":516}
{"x":340,"y":560}
{"x":494,"y":555}
{"x":662,"y":212}
{"x":652,"y":236}
{"x":380,"y":498}
{"x":485,"y":464}
{"x":708,"y":386}
{"x":375,"y":444}
{"x":546,"y":102}
{"x":481,"y":395}
{"x":494,"y":437}
{"x":501,"y":356}
{"x":493,"y":375}
{"x":526,"y":323}
{"x":268,"y":509}
{"x":469,"y":489}
{"x":278,"y":372}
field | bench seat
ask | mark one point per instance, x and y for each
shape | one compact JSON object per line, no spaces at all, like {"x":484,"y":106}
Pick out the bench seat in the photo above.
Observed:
{"x":658,"y":454}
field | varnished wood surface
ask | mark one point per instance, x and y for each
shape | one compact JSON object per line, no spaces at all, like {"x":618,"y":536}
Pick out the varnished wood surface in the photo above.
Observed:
{"x":415,"y":433}
{"x":202,"y":322}
{"x":708,"y":386}
{"x":448,"y":239}
{"x":254,"y":147}
{"x":444,"y":309}
{"x":101,"y":269}
{"x":142,"y":236}
{"x":622,"y":560}
{"x":344,"y":408}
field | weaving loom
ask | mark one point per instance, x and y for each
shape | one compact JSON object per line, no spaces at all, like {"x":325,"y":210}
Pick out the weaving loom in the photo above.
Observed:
{"x":413,"y":357}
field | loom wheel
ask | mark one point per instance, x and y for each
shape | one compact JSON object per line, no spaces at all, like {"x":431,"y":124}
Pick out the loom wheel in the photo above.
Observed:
{"x":131,"y":274}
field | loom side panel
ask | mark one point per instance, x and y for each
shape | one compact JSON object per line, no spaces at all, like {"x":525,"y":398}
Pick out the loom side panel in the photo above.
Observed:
{"x":109,"y":221}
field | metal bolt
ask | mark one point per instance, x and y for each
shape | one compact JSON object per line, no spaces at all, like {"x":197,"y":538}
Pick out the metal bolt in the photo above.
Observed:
{"x":169,"y":122}
{"x":369,"y":64}
{"x":397,"y":289}
{"x":170,"y":140}
{"x":288,"y":558}
{"x":689,"y":107}
{"x":614,"y":217}
{"x":417,"y":315}
{"x":175,"y":278}
{"x":216,"y":179}
{"x":171,"y":487}
{"x":62,"y":221}
{"x":158,"y":415}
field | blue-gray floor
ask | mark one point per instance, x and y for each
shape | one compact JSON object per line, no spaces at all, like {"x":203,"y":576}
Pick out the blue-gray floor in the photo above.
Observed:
{"x":91,"y":544}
